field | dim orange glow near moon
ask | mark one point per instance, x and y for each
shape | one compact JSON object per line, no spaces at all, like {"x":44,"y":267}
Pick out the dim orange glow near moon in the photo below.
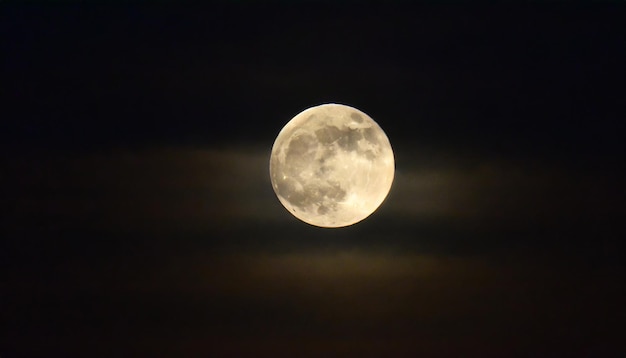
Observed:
{"x":332,"y":166}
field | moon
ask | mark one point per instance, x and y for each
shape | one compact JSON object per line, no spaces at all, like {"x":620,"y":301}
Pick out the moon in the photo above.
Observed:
{"x":332,"y":166}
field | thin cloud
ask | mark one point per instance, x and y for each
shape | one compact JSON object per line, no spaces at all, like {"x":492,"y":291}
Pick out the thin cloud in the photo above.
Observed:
{"x":502,"y":193}
{"x":198,"y":189}
{"x":151,"y":189}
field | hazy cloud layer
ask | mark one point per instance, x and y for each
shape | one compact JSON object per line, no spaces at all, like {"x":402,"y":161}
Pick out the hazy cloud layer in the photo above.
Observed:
{"x":190,"y":247}
{"x":197,"y":189}
{"x":316,"y":302}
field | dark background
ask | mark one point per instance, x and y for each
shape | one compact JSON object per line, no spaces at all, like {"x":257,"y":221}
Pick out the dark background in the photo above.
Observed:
{"x":138,"y":218}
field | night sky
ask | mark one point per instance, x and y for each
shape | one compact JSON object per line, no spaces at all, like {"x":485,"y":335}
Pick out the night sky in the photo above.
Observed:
{"x":138,"y":218}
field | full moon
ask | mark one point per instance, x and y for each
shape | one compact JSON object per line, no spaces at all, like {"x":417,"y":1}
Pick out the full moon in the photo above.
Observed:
{"x":331,"y":165}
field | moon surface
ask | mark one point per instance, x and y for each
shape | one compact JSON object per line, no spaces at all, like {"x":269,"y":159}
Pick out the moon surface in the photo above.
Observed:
{"x":331,"y":165}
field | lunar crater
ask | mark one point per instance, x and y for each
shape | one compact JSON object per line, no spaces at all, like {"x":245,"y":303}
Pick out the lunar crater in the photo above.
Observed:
{"x":350,"y":139}
{"x":356,"y":117}
{"x":328,"y":134}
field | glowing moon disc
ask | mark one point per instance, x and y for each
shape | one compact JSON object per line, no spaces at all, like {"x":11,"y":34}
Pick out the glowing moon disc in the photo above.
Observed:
{"x":331,"y":166}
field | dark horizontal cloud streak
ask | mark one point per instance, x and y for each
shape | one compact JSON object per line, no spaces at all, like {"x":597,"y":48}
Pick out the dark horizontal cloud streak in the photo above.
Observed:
{"x":216,"y":191}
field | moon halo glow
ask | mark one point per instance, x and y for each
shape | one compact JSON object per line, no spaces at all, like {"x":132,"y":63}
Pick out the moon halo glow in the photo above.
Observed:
{"x":331,"y":165}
